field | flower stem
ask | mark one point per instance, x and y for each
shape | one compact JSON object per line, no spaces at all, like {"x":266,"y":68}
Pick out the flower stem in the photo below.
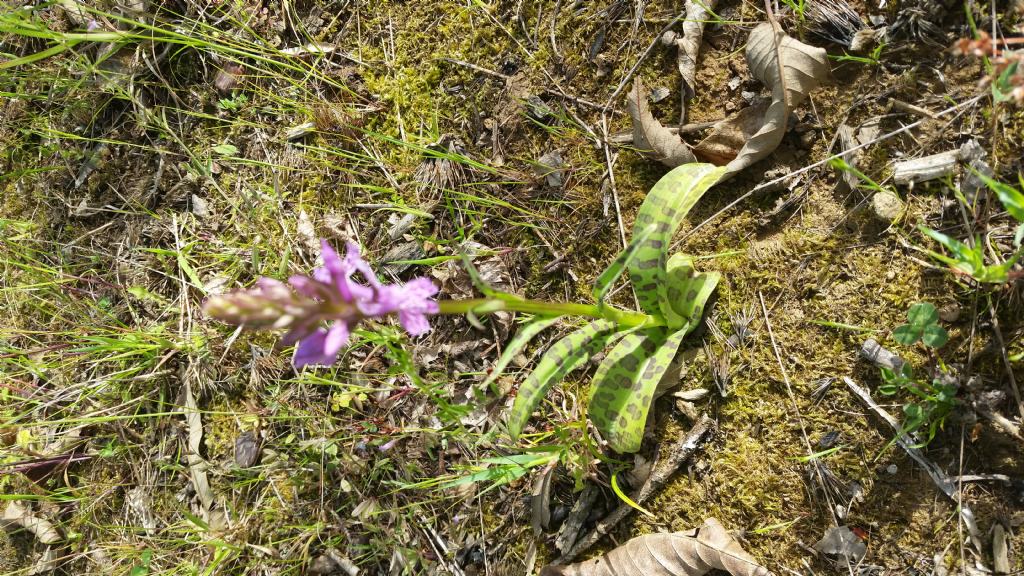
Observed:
{"x":508,"y":302}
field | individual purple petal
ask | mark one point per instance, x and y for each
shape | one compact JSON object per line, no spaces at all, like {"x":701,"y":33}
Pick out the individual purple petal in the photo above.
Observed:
{"x":337,"y":336}
{"x":415,"y":323}
{"x":355,"y":263}
{"x":338,"y":269}
{"x":311,"y":350}
{"x":306,"y":286}
{"x":413,"y":303}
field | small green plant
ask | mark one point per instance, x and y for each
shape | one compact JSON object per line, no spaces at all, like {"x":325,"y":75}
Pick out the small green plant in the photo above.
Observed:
{"x":669,"y":290}
{"x":233,"y":104}
{"x":934,"y":399}
{"x":797,"y":6}
{"x":922,"y":325}
{"x":671,"y":293}
{"x":874,"y":58}
{"x":969,"y":258}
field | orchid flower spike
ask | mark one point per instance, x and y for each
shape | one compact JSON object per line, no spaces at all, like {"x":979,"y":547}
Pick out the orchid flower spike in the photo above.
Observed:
{"x":320,"y":311}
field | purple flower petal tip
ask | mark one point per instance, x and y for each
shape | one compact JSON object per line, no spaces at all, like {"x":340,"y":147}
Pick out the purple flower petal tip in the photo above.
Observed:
{"x":329,"y":296}
{"x":313,"y":350}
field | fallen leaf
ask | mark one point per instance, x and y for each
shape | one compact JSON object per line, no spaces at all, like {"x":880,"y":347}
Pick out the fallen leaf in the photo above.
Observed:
{"x":1000,"y":549}
{"x":691,"y":553}
{"x":540,"y":501}
{"x":247,"y":449}
{"x":650,"y":137}
{"x":41,"y":528}
{"x":306,"y":232}
{"x":730,"y":135}
{"x":791,"y":69}
{"x":689,"y":42}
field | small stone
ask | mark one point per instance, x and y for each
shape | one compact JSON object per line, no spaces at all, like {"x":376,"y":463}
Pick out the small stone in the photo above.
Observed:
{"x":887,"y":205}
{"x":200,"y":207}
{"x":734,"y":82}
{"x":829,"y":439}
{"x":729,"y":106}
{"x":891,"y":469}
{"x":247,"y":449}
{"x":949,"y":313}
{"x":538,"y":109}
{"x":552,"y":167}
{"x":323,"y":565}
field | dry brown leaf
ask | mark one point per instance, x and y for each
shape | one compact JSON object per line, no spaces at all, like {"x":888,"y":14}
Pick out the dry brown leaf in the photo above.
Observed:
{"x":691,"y":553}
{"x":689,"y":42}
{"x":730,"y":135}
{"x":791,"y":69}
{"x":650,"y":137}
{"x":43,"y":530}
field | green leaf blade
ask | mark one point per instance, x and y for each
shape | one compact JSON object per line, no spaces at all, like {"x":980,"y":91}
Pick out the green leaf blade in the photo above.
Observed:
{"x":607,"y":278}
{"x":907,"y":334}
{"x":666,"y":205}
{"x":934,"y":336}
{"x":563,"y":357}
{"x":922,"y":314}
{"x":623,"y":390}
{"x":685,"y":293}
{"x":1011,"y":198}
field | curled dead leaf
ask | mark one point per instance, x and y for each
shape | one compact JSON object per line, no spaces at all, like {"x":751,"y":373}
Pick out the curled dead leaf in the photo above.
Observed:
{"x":730,"y":135}
{"x":41,"y":528}
{"x":650,"y":137}
{"x":691,"y":553}
{"x":791,"y":69}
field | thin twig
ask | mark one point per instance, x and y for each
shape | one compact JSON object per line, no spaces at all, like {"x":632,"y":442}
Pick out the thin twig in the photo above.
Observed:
{"x":610,"y":163}
{"x":939,"y":478}
{"x":549,"y":91}
{"x":680,"y":453}
{"x":796,"y":408}
{"x":1006,"y":359}
{"x":636,"y":66}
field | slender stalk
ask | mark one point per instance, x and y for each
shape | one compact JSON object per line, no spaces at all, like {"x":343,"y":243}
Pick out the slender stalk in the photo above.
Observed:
{"x":624,"y":318}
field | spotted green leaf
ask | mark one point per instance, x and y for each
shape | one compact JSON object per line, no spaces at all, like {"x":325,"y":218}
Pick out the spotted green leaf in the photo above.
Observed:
{"x":563,"y":357}
{"x":624,"y":385}
{"x":686,"y":292}
{"x":518,"y":342}
{"x":611,"y":274}
{"x":666,"y":205}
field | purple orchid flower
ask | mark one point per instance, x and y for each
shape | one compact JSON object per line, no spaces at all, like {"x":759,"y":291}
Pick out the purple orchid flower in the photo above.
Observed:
{"x":321,"y":310}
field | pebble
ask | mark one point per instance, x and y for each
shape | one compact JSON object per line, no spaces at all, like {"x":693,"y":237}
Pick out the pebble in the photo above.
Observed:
{"x":887,"y":205}
{"x":891,"y":469}
{"x":949,"y":313}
